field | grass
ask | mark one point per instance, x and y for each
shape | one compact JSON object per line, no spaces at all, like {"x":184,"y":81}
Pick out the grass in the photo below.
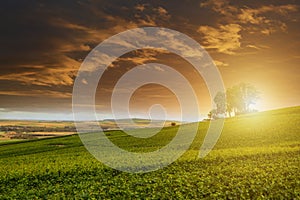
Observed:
{"x":256,"y":157}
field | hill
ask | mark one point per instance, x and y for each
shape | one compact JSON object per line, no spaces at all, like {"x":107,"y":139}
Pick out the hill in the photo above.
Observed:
{"x":12,"y":130}
{"x":257,"y":156}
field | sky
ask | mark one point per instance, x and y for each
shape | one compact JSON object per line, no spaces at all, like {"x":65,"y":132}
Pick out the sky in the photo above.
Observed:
{"x":43,"y":44}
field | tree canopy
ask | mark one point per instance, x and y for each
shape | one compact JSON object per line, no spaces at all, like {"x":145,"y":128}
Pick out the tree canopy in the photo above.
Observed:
{"x":236,"y":100}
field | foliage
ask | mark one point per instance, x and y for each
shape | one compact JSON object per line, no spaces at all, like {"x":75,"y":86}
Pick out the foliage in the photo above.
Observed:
{"x":220,"y":101}
{"x":241,"y":96}
{"x":237,"y":100}
{"x":256,"y":157}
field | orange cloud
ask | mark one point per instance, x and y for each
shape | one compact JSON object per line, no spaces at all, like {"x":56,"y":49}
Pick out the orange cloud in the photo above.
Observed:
{"x":225,"y":38}
{"x":220,"y":6}
{"x":140,"y":57}
{"x":38,"y":93}
{"x":220,"y":63}
{"x":260,"y":18}
{"x":61,"y":73}
{"x":256,"y":16}
{"x":157,"y":15}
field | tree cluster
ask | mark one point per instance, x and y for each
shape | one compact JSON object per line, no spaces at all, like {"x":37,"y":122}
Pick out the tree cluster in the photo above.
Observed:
{"x":235,"y":101}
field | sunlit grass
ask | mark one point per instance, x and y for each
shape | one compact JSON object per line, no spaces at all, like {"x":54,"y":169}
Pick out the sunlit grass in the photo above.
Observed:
{"x":257,"y":156}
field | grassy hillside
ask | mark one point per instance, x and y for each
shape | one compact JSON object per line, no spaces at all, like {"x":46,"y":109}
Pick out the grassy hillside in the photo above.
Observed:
{"x":257,"y":156}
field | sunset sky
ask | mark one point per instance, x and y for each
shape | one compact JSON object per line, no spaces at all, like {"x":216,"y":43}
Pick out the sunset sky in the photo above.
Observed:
{"x":43,"y":44}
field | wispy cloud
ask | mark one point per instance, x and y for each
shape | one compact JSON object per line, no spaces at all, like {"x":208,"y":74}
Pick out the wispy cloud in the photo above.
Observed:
{"x":236,"y":20}
{"x":261,"y":15}
{"x":139,"y":57}
{"x":225,"y":38}
{"x":147,"y":15}
{"x":60,"y":73}
{"x":253,"y":46}
{"x":220,"y":63}
{"x":70,"y":40}
{"x":257,"y":15}
{"x":220,"y":6}
{"x":38,"y":93}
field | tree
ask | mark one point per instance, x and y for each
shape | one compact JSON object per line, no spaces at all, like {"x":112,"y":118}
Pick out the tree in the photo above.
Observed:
{"x":237,"y":100}
{"x":220,"y":101}
{"x":240,"y":97}
{"x":234,"y":100}
{"x":212,"y":114}
{"x":230,"y":105}
{"x":249,"y":95}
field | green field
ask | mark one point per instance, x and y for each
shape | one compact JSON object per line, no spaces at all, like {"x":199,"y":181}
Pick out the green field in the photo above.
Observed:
{"x":256,"y":157}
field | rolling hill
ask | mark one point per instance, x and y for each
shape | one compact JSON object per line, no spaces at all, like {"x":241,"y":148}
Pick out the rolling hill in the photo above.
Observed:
{"x":257,"y":156}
